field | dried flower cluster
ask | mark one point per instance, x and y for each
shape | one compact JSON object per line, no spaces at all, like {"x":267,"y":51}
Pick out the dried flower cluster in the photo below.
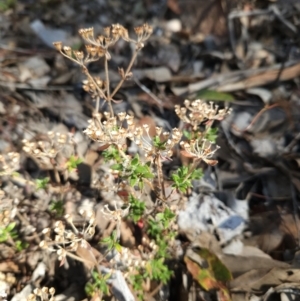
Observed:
{"x":116,"y":214}
{"x":111,"y":131}
{"x":167,"y":139}
{"x":69,"y":240}
{"x":48,"y":148}
{"x":7,"y":209}
{"x":42,"y":294}
{"x":200,"y":149}
{"x":9,"y":163}
{"x":198,"y":111}
{"x":97,"y":48}
{"x":45,"y":150}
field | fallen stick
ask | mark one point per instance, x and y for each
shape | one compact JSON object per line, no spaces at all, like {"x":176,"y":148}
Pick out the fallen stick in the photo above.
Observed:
{"x":240,"y":80}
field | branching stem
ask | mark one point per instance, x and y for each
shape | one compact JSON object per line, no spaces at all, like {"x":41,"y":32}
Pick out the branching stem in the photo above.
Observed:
{"x":125,"y":74}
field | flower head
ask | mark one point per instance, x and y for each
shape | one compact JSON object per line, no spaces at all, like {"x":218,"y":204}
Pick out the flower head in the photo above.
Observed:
{"x":200,"y":150}
{"x":111,"y":131}
{"x":199,"y":111}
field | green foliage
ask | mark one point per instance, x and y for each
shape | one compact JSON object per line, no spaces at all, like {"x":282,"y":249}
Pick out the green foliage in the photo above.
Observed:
{"x":41,"y":183}
{"x":57,"y":207}
{"x":137,"y":208}
{"x":73,"y":162}
{"x":158,"y":144}
{"x":135,"y":171}
{"x":160,"y":223}
{"x":137,"y":283}
{"x":158,"y":228}
{"x":112,"y":153}
{"x":183,"y":178}
{"x":215,"y":95}
{"x":98,"y":284}
{"x":157,"y":270}
{"x":165,"y":217}
{"x":20,"y":245}
{"x":212,"y":134}
{"x":7,"y":4}
{"x":112,"y":242}
{"x":188,"y":134}
{"x":154,"y":228}
{"x":9,"y":234}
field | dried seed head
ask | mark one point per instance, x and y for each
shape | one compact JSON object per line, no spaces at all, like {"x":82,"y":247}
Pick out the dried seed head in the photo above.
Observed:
{"x":67,"y":50}
{"x":31,"y":297}
{"x":87,"y":33}
{"x":58,"y":45}
{"x":43,"y":244}
{"x":107,"y":31}
{"x":79,"y":55}
{"x":69,"y":218}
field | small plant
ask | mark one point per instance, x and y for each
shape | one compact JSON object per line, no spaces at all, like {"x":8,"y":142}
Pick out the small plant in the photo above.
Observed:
{"x":137,"y":208}
{"x":57,"y":207}
{"x":42,"y":183}
{"x":157,"y":270}
{"x":111,"y":242}
{"x":134,"y":176}
{"x":73,"y":162}
{"x":183,"y":177}
{"x":9,"y":235}
{"x":135,"y":171}
{"x":98,"y":285}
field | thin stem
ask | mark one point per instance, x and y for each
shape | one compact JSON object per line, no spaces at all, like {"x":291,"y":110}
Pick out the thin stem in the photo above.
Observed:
{"x":121,"y":152}
{"x":97,"y":104}
{"x":108,"y":97}
{"x":192,"y":168}
{"x":125,"y":75}
{"x":160,"y":176}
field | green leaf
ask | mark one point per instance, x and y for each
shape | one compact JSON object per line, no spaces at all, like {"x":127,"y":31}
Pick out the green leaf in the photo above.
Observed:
{"x":112,"y":153}
{"x":118,"y":247}
{"x":41,"y":183}
{"x":132,"y":181}
{"x":73,"y":162}
{"x":135,"y":160}
{"x":148,"y":175}
{"x":10,"y":227}
{"x":117,"y":166}
{"x":212,"y":134}
{"x":137,"y":208}
{"x":187,"y":134}
{"x":214,"y":95}
{"x":57,"y":207}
